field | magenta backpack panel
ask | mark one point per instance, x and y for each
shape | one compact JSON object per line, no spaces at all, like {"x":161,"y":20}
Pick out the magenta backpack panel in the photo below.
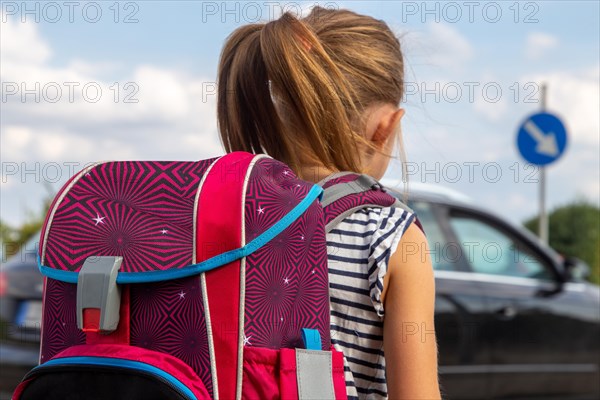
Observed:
{"x":140,"y":210}
{"x":287,"y":285}
{"x":59,"y":322}
{"x":168,"y":317}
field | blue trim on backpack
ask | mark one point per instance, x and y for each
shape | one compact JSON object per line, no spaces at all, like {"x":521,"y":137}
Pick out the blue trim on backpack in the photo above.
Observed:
{"x":207,"y":265}
{"x":311,"y":339}
{"x":118,"y":362}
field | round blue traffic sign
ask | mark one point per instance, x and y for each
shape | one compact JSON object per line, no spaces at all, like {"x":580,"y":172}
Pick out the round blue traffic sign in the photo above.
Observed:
{"x":542,"y":138}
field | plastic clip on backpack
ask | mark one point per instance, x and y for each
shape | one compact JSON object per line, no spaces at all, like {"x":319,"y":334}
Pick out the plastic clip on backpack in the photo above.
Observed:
{"x":191,"y":280}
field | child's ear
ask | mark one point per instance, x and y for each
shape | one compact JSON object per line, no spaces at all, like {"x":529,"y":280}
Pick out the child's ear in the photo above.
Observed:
{"x":387,"y":126}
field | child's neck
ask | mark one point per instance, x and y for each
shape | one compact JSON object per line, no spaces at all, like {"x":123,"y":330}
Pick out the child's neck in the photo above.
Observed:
{"x":314,"y":173}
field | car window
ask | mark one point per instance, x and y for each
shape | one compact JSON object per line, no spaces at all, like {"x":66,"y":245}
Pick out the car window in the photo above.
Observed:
{"x":442,"y":257}
{"x":491,"y":251}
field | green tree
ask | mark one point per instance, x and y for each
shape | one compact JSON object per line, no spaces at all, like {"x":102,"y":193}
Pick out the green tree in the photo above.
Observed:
{"x":12,"y":238}
{"x":574,"y":230}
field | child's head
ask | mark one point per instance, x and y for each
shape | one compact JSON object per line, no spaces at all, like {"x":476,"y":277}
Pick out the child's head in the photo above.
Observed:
{"x":318,"y":92}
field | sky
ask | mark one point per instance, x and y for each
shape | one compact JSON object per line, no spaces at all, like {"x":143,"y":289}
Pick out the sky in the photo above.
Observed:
{"x":107,"y":80}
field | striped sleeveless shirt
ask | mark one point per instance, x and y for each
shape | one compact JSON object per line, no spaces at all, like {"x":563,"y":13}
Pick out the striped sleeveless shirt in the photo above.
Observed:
{"x":359,"y":249}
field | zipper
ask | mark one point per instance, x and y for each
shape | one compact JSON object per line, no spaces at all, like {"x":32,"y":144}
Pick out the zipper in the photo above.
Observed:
{"x":68,"y":364}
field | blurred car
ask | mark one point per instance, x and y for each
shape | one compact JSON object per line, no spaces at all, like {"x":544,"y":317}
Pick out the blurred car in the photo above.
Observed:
{"x":513,"y":319}
{"x":20,"y":314}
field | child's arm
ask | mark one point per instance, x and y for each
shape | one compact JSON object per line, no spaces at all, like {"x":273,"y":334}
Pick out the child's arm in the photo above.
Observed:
{"x":409,"y":340}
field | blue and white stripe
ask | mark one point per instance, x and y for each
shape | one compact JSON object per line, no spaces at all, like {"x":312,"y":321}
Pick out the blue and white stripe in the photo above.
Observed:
{"x":359,"y":249}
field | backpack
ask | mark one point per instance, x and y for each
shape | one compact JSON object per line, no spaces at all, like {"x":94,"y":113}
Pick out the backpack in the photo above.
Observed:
{"x":191,"y":280}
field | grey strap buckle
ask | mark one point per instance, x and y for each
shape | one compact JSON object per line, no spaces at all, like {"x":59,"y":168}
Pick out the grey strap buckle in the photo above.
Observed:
{"x":98,"y":296}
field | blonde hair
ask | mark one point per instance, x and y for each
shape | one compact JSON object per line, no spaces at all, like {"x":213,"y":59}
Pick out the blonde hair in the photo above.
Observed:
{"x":297,"y":89}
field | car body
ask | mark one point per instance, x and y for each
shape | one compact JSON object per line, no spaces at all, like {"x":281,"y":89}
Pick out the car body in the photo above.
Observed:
{"x":20,"y":313}
{"x":511,"y":319}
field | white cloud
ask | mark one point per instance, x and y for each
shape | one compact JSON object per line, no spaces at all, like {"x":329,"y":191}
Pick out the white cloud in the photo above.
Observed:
{"x":20,"y":43}
{"x":538,"y":44}
{"x":162,"y":91}
{"x":575,"y":96}
{"x":174,"y":116}
{"x":441,"y":45}
{"x":95,"y":68}
{"x":75,"y":94}
{"x":15,"y":140}
{"x":59,"y":145}
{"x":72,"y":99}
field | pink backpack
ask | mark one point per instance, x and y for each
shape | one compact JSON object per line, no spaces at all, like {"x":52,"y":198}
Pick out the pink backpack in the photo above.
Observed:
{"x":191,"y":280}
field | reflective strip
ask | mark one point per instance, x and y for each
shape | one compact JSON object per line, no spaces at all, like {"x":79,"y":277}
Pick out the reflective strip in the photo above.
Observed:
{"x":315,"y":375}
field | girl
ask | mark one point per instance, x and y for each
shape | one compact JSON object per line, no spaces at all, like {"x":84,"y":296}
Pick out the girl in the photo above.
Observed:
{"x":322,"y":94}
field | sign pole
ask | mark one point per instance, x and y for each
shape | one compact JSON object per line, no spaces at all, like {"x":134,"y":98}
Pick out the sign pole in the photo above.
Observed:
{"x":543,"y":218}
{"x":541,"y":140}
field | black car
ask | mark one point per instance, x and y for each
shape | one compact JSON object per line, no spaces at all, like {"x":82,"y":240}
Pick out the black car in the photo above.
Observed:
{"x":513,"y":319}
{"x":20,"y":314}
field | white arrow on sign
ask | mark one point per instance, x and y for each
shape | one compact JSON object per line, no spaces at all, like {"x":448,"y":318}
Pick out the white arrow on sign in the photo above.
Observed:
{"x":546,"y":144}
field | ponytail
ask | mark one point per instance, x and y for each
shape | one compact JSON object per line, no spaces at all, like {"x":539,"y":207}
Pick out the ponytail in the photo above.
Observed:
{"x":283,"y":91}
{"x":246,"y":114}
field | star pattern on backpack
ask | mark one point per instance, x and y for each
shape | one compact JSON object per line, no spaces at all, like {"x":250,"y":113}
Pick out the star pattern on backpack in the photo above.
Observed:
{"x":98,"y":219}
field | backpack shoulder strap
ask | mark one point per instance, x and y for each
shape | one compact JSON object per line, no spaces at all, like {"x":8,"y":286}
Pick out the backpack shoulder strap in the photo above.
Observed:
{"x":333,"y":178}
{"x":346,"y":192}
{"x":361,"y":184}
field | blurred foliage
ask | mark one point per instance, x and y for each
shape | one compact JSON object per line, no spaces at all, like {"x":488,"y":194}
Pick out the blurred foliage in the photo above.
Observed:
{"x":12,"y":238}
{"x":574,"y":230}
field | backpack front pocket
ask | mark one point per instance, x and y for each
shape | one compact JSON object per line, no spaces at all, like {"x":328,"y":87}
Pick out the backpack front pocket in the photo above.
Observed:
{"x":278,"y":374}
